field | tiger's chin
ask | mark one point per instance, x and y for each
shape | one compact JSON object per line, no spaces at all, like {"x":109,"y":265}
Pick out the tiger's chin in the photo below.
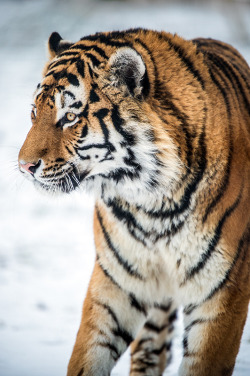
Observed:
{"x":66,"y":184}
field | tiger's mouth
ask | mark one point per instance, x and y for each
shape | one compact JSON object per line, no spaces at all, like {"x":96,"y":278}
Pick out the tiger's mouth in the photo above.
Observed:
{"x":66,"y":183}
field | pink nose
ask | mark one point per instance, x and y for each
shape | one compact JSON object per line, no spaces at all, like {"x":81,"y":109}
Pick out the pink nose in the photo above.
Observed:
{"x":26,"y":167}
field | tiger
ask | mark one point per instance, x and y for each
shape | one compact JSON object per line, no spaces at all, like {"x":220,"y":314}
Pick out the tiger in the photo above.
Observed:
{"x":157,"y":128}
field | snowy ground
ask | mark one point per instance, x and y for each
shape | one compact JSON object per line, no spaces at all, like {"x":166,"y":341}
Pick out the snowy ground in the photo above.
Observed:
{"x":46,"y":246}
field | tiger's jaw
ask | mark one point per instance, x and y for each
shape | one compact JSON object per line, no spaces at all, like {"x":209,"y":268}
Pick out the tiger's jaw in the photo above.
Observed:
{"x":66,"y":184}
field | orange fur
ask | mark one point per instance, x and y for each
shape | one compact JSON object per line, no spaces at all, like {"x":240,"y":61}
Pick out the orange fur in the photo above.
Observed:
{"x":191,"y":106}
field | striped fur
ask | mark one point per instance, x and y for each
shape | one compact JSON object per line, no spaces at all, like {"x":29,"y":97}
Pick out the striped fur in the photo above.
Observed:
{"x":158,"y":128}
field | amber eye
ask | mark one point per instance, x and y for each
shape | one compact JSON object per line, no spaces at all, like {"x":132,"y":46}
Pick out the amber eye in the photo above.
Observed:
{"x":70,"y":116}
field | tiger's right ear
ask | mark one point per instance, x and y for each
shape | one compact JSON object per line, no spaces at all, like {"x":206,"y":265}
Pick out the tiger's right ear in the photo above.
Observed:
{"x":128,"y":72}
{"x":56,"y":45}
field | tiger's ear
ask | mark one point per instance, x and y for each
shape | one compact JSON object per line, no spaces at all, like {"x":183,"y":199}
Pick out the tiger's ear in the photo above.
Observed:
{"x":56,"y":44}
{"x":128,"y":72}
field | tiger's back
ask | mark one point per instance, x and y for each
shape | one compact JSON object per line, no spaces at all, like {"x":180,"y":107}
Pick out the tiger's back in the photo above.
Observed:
{"x":158,"y":127}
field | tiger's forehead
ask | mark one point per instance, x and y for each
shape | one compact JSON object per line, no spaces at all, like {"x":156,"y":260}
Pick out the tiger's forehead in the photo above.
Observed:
{"x":61,"y":95}
{"x":71,"y":97}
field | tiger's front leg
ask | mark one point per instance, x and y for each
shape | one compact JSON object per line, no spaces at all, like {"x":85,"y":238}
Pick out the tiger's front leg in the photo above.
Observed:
{"x":212,"y":336}
{"x":151,"y":350}
{"x":109,"y":324}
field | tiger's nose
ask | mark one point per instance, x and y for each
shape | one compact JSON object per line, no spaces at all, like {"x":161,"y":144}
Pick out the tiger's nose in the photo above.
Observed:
{"x":29,"y":167}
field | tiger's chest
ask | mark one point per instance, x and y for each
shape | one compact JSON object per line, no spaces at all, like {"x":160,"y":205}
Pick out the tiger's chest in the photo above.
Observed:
{"x":151,"y":252}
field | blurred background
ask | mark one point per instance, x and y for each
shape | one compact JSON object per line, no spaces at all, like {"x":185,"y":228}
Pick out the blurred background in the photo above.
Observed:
{"x":46,"y":246}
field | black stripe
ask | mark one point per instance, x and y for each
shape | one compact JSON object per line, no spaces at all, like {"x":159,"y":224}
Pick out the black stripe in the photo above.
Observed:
{"x":245,"y":240}
{"x":125,"y":33}
{"x":189,"y":309}
{"x":76,"y":105}
{"x":80,"y":373}
{"x":222,"y":187}
{"x":148,"y":364}
{"x":93,"y":59}
{"x":93,"y":97}
{"x":131,"y":161}
{"x":60,"y":88}
{"x":101,"y":114}
{"x":213,"y":242}
{"x":50,"y":73}
{"x":163,"y":307}
{"x":118,"y":331}
{"x":200,"y":156}
{"x":112,"y":348}
{"x":168,"y":346}
{"x":226,"y":68}
{"x":172,"y":317}
{"x":62,"y":62}
{"x":139,"y":347}
{"x":245,"y":78}
{"x":185,"y":344}
{"x":213,"y":43}
{"x":159,"y":350}
{"x":93,"y":47}
{"x":126,"y":216}
{"x":69,"y":94}
{"x":140,"y":307}
{"x":190,"y":189}
{"x":69,"y":151}
{"x":166,"y":104}
{"x":124,"y":263}
{"x":119,"y":123}
{"x":107,"y":40}
{"x":222,"y":90}
{"x":83,"y":157}
{"x":85,"y":112}
{"x":109,"y":309}
{"x":54,"y":175}
{"x":239,"y":85}
{"x":84,"y":131}
{"x":186,"y":60}
{"x":80,"y":67}
{"x":124,"y":335}
{"x":154,"y":328}
{"x":120,"y":174}
{"x":170,"y":328}
{"x":106,"y":273}
{"x":97,"y":49}
{"x":68,"y":53}
{"x":60,"y":74}
{"x":172,"y":230}
{"x":226,"y":72}
{"x":69,"y":76}
{"x":73,"y":80}
{"x":139,"y":369}
{"x":195,"y":322}
{"x":98,"y":146}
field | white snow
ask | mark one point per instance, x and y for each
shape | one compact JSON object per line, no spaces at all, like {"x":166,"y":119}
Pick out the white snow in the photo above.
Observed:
{"x":46,"y":246}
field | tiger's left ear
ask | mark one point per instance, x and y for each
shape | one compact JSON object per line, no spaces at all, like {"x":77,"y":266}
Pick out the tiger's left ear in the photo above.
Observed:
{"x":56,"y":45}
{"x":128,"y":71}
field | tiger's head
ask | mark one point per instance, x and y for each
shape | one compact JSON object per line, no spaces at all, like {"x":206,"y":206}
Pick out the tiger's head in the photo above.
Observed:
{"x":91,"y":120}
